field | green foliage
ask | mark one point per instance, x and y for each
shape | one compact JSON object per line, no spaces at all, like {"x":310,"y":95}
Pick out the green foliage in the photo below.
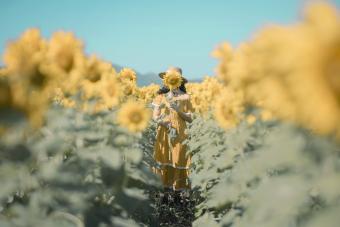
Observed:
{"x":78,"y":170}
{"x":267,"y":174}
{"x":84,"y":170}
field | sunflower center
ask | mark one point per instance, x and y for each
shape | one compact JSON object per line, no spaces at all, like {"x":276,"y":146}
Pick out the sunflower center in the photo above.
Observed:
{"x":65,"y":60}
{"x":94,"y":76}
{"x":135,"y":117}
{"x":173,"y":81}
{"x":129,"y":77}
{"x":38,"y":79}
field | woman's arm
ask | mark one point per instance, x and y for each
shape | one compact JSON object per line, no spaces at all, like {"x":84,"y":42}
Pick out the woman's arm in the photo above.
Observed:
{"x":156,"y":104}
{"x":156,"y":112}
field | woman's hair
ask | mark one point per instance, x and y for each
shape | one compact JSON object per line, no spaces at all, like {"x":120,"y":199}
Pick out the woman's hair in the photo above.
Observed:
{"x":164,"y":89}
{"x":182,"y":87}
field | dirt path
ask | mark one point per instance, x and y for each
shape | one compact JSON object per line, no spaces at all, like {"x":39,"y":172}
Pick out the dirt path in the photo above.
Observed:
{"x":173,"y":208}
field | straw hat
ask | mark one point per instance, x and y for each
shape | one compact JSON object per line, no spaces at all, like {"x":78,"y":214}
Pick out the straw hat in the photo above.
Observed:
{"x":161,"y":74}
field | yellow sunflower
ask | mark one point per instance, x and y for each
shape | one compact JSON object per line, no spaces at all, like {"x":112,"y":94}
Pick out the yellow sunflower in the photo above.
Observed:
{"x":95,"y":69}
{"x":65,"y":61}
{"x":134,"y":116}
{"x":24,"y":57}
{"x":19,"y":99}
{"x":110,"y":92}
{"x":172,"y":79}
{"x":225,"y":115}
{"x":65,"y":51}
{"x":127,"y":74}
{"x":228,"y":109}
{"x":147,"y":93}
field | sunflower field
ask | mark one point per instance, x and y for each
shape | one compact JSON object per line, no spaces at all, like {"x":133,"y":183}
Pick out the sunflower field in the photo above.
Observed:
{"x":76,"y":135}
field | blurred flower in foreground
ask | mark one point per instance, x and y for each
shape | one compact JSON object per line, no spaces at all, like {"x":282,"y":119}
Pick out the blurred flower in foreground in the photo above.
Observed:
{"x":28,"y":85}
{"x":134,"y":116}
{"x":228,"y":108}
{"x":65,"y":60}
{"x":293,"y":71}
{"x":204,"y":94}
{"x":223,"y":52}
{"x":24,"y":59}
{"x":95,"y":69}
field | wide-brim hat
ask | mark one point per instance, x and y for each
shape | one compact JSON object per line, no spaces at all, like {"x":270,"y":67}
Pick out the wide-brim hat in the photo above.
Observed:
{"x":161,"y":74}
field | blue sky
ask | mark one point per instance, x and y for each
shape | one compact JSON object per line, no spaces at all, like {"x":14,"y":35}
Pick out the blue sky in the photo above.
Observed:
{"x":150,"y":35}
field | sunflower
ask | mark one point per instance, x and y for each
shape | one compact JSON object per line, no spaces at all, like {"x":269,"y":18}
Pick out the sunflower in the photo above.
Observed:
{"x":127,"y":74}
{"x":26,"y":88}
{"x":172,"y":79}
{"x":5,"y":93}
{"x":128,"y":87}
{"x":24,"y":58}
{"x":282,"y":66}
{"x":225,"y":115}
{"x":228,"y":108}
{"x":110,"y":92}
{"x":95,"y":69}
{"x":148,"y":93}
{"x":17,"y":99}
{"x":65,"y":60}
{"x":63,"y":50}
{"x":134,"y":116}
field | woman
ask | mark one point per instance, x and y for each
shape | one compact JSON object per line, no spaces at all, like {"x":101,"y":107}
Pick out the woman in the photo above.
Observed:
{"x":172,"y":110}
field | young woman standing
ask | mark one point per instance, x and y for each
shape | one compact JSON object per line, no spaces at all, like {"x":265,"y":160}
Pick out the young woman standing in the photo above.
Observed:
{"x":172,"y":111}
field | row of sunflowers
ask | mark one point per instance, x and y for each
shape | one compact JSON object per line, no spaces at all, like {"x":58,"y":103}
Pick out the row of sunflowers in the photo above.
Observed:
{"x":39,"y":72}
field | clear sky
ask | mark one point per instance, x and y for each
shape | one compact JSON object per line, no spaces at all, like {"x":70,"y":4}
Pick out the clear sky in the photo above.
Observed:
{"x":149,"y":35}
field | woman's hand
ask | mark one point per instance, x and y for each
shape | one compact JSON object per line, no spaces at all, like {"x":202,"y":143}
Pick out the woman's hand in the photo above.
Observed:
{"x":185,"y":116}
{"x":174,"y":106}
{"x":161,"y":106}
